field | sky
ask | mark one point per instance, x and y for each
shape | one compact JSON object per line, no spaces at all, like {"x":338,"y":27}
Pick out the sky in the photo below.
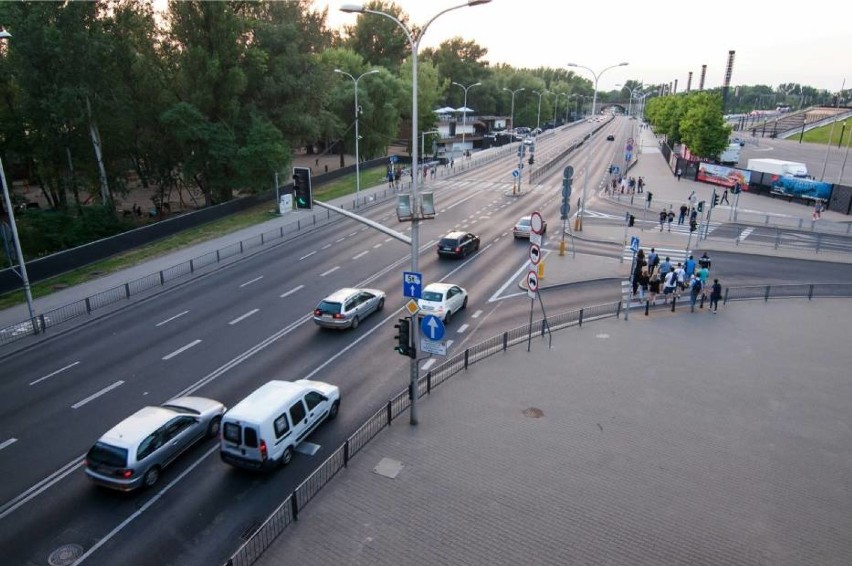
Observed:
{"x":774,"y":42}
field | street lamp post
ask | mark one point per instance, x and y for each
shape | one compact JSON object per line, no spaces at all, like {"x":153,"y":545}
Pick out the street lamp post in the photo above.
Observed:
{"x":357,"y":113}
{"x":578,"y":224}
{"x":415,"y":223}
{"x":10,"y":212}
{"x":464,"y":109}
{"x":513,"y":103}
{"x":556,"y":106}
{"x":538,"y":120}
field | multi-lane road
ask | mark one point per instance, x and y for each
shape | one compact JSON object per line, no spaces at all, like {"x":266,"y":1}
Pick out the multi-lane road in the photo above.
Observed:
{"x":230,"y":331}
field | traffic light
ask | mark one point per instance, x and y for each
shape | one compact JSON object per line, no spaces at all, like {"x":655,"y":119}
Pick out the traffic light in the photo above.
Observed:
{"x":631,"y":220}
{"x":302,"y":191}
{"x":715,"y":199}
{"x":566,"y":187}
{"x":403,"y":338}
{"x":532,"y":160}
{"x":693,"y":225}
{"x":649,"y":197}
{"x":700,"y":206}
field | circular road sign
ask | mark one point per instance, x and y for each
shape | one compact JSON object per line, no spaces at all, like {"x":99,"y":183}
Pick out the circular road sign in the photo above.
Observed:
{"x":536,"y":222}
{"x":535,"y":254}
{"x":516,"y":173}
{"x":568,"y":172}
{"x":532,"y":281}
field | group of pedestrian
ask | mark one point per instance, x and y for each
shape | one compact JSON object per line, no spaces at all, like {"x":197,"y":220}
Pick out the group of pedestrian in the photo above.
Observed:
{"x":652,"y":276}
{"x":666,"y":216}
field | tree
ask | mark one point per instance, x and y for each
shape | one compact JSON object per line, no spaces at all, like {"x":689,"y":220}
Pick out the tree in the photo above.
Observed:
{"x":703,"y":128}
{"x":378,"y":39}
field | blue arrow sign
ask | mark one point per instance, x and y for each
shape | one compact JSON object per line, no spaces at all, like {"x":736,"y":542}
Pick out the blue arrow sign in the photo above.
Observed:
{"x":412,"y":284}
{"x":516,"y":173}
{"x":432,"y":327}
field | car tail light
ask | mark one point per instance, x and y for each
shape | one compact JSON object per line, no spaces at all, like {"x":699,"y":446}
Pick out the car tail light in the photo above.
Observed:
{"x":317,"y":312}
{"x":263,"y":453}
{"x":458,"y":249}
{"x":124,"y":473}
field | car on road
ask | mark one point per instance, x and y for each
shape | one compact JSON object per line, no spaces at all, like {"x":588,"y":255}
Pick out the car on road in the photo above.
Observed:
{"x":133,"y":453}
{"x":610,"y":138}
{"x":347,"y":307}
{"x":442,"y":300}
{"x":523,"y":227}
{"x":458,"y":244}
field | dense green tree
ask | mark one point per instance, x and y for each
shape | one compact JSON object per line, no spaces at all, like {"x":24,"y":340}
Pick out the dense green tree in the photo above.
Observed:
{"x":380,"y":40}
{"x":702,"y":128}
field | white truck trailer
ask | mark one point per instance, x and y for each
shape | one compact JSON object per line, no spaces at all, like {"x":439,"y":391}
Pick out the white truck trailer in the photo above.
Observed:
{"x":778,"y":167}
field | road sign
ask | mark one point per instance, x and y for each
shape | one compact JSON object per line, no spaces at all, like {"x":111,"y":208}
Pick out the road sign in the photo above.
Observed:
{"x":628,"y":156}
{"x":432,"y":327}
{"x":412,"y":284}
{"x":615,"y":169}
{"x":433,"y":347}
{"x":535,"y":239}
{"x":412,"y":307}
{"x":393,"y":158}
{"x":634,"y":244}
{"x":629,"y":147}
{"x":564,"y":210}
{"x":535,"y":254}
{"x":532,"y":280}
{"x":516,"y":173}
{"x":536,"y":222}
{"x":568,"y":172}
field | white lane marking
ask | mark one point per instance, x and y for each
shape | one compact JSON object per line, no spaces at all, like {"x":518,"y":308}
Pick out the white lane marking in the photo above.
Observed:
{"x":377,"y":245}
{"x":308,"y":255}
{"x":429,"y":363}
{"x":746,"y":233}
{"x":332,"y":270}
{"x":325,"y":247}
{"x":60,"y":474}
{"x":181,"y":349}
{"x":462,"y":328}
{"x":243,"y":317}
{"x":291,"y":291}
{"x":476,"y":314}
{"x":388,"y":239}
{"x":8,"y":443}
{"x":94,"y":396}
{"x":144,"y":507}
{"x":352,"y":234}
{"x":337,"y":241}
{"x":450,"y":343}
{"x":360,"y":255}
{"x":178,"y":315}
{"x":251,"y":281}
{"x":54,"y":373}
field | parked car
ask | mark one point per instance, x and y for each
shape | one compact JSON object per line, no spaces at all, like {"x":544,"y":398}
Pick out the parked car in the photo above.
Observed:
{"x":610,"y":137}
{"x":262,"y":431}
{"x":442,"y":300}
{"x":133,"y":453}
{"x":458,"y":244}
{"x":347,"y":307}
{"x":524,"y":226}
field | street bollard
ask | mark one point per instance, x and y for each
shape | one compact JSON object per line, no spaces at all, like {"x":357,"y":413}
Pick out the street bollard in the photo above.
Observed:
{"x":701,"y":306}
{"x":674,"y":300}
{"x":647,"y":307}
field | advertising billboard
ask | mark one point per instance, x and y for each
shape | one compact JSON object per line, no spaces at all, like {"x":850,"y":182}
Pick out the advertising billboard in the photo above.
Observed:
{"x":723,"y":176}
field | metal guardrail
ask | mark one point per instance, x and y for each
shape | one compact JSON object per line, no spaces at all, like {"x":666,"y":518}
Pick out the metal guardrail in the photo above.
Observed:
{"x":290,"y":508}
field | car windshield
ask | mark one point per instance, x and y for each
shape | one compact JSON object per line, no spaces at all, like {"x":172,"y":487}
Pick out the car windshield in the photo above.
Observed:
{"x":179,"y":409}
{"x":524,"y":222}
{"x":433,"y":296}
{"x":328,"y":307}
{"x":107,"y":455}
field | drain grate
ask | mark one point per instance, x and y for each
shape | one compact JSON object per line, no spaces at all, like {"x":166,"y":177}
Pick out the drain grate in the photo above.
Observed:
{"x":533,"y":413}
{"x":65,"y":555}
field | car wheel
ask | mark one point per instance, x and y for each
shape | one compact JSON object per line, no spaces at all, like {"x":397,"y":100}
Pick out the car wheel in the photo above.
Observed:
{"x":332,"y":413}
{"x":381,"y":305}
{"x":448,"y":316}
{"x":151,"y":477}
{"x":464,"y":303}
{"x":354,"y":324}
{"x":213,"y":427}
{"x":286,"y":457}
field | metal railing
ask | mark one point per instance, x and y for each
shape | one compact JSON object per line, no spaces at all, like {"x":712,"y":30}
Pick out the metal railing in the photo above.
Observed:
{"x":290,"y":508}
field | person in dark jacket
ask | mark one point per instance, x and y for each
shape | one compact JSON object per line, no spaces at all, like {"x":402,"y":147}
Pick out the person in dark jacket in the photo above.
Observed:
{"x":715,"y":295}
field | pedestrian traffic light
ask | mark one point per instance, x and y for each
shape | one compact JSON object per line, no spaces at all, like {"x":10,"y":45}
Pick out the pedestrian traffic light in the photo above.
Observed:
{"x":649,"y":197}
{"x":302,"y":192}
{"x":532,"y":160}
{"x":693,"y":225}
{"x":700,"y":206}
{"x":566,"y":187}
{"x":631,"y":220}
{"x":715,"y":199}
{"x":403,"y":338}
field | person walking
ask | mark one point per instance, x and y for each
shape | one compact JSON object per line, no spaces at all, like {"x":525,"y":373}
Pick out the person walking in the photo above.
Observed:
{"x":715,"y":295}
{"x":654,"y":287}
{"x":689,"y":266}
{"x":694,"y":291}
{"x":682,"y":216}
{"x":663,"y":216}
{"x":669,"y":286}
{"x":653,"y":260}
{"x":670,"y":219}
{"x":679,"y":173}
{"x":704,"y":261}
{"x":680,"y":279}
{"x":665,"y":267}
{"x":724,"y":197}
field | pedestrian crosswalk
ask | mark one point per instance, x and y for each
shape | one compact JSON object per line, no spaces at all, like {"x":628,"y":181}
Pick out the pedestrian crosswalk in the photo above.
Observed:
{"x":683,"y":229}
{"x":676,"y":254}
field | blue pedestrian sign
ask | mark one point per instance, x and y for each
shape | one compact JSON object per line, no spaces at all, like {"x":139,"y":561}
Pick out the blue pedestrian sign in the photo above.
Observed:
{"x":412,"y":284}
{"x":432,"y":327}
{"x":393,"y":158}
{"x":634,"y":244}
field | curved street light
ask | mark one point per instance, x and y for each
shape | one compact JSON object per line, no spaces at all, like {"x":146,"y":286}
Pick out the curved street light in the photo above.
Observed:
{"x":464,"y":109}
{"x":513,"y":103}
{"x":415,"y":223}
{"x":538,"y":120}
{"x":578,"y":224}
{"x":556,"y":106}
{"x":357,"y":113}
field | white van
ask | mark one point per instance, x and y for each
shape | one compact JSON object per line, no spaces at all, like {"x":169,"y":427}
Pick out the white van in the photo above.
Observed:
{"x":261,"y":431}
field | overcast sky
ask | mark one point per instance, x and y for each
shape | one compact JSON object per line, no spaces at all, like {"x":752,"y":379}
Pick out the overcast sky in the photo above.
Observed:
{"x":775,"y":42}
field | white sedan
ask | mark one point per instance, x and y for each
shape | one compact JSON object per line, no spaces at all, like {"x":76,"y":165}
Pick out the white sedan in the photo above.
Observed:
{"x":442,"y":300}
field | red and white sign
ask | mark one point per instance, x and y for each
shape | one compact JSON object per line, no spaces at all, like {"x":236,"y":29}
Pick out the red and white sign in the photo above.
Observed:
{"x":532,"y":283}
{"x":535,"y":254}
{"x":536,"y":222}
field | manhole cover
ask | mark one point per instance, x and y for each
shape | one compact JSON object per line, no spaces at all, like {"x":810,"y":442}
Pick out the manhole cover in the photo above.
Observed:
{"x":533,"y":413}
{"x":65,"y":554}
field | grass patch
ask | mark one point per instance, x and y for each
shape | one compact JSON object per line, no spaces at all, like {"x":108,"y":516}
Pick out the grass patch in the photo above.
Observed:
{"x":821,"y":135}
{"x":249,"y":217}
